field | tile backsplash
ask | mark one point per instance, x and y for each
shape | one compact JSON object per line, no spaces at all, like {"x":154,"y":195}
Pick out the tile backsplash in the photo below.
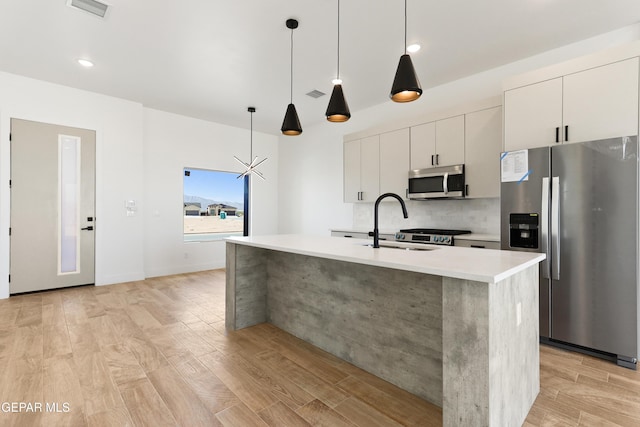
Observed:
{"x":477,"y":215}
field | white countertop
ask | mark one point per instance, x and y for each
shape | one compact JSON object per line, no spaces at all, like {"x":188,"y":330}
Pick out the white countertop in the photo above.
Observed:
{"x":483,"y":265}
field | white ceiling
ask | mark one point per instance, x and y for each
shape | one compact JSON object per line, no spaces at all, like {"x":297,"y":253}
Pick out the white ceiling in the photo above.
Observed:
{"x":211,"y":59}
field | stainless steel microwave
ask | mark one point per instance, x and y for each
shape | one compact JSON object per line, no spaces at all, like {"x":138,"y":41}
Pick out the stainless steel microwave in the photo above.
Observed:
{"x":440,"y":182}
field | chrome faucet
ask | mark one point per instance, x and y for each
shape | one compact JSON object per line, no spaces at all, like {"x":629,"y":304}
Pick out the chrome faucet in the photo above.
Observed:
{"x":376,"y":233}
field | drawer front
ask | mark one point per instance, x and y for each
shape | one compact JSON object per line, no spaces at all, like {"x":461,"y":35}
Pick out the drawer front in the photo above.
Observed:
{"x":483,"y":244}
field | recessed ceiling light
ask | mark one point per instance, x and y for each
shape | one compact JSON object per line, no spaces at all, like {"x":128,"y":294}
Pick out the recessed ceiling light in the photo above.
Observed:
{"x":413,"y":48}
{"x":85,"y":63}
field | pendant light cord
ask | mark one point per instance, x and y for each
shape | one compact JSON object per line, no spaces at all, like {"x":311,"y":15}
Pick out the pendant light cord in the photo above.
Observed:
{"x":338,"y":76}
{"x":405,"y":27}
{"x":291,"y":92}
{"x":251,"y":140}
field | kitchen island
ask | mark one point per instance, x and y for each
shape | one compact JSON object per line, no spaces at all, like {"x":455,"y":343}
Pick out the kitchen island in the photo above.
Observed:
{"x":455,"y":326}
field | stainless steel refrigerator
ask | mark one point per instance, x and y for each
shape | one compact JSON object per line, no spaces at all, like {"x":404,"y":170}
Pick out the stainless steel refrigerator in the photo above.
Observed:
{"x":578,"y":203}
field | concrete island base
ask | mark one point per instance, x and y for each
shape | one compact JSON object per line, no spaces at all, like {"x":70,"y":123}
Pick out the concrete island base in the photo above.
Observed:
{"x":469,"y":347}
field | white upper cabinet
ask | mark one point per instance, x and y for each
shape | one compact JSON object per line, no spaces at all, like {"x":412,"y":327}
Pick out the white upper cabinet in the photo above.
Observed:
{"x":394,"y":162}
{"x":361,"y":169}
{"x":532,"y":115}
{"x":597,"y":103}
{"x":351,"y":171}
{"x":483,"y":143}
{"x":439,"y":143}
{"x":602,"y":102}
{"x":450,"y":141}
{"x":423,"y":146}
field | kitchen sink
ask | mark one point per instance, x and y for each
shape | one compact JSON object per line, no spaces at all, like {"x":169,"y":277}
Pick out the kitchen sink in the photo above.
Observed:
{"x":392,"y":245}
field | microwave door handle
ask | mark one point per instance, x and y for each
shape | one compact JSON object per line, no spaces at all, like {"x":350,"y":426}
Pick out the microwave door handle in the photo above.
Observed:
{"x":445,"y":183}
{"x":544,"y":227}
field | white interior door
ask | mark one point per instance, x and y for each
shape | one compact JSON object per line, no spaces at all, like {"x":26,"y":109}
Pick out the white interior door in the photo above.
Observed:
{"x":52,"y":206}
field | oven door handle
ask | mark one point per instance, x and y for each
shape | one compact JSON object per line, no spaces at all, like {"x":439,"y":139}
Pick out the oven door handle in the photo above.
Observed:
{"x":445,"y":183}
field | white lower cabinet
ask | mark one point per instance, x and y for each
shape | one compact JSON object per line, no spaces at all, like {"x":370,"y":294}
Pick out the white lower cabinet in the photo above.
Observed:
{"x":480,"y":244}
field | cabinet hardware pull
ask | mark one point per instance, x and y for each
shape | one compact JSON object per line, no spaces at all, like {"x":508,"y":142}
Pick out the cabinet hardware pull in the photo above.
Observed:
{"x":466,"y":189}
{"x":437,"y":159}
{"x":557,"y":133}
{"x":566,"y":133}
{"x":432,"y":160}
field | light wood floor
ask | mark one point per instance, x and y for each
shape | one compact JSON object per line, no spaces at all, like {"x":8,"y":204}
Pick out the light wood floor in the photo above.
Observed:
{"x":155,"y":353}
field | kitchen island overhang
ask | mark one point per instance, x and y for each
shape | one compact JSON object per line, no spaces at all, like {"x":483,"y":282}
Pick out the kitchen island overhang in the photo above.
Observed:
{"x":456,"y":326}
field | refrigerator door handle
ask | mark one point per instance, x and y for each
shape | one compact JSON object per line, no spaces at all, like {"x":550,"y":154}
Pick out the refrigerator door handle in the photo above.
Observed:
{"x":555,"y":228}
{"x":544,"y":226}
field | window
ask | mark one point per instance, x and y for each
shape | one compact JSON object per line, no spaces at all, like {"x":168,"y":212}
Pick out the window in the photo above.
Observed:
{"x":213,"y":205}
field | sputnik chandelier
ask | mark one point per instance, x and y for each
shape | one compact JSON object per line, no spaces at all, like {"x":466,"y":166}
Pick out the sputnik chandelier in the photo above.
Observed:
{"x":254,"y":163}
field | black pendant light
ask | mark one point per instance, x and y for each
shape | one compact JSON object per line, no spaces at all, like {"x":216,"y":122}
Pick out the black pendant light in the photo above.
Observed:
{"x":338,"y":110}
{"x":291,"y":123}
{"x":406,"y":87}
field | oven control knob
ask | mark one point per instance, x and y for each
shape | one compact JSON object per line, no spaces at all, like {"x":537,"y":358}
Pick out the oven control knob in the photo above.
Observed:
{"x":446,"y":239}
{"x":437,"y":238}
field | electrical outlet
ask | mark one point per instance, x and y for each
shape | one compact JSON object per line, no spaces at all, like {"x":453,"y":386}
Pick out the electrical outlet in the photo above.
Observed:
{"x":518,"y":314}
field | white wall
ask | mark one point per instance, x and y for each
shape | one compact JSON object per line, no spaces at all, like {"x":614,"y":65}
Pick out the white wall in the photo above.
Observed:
{"x":140,"y":154}
{"x":173,"y":142}
{"x":311,"y":164}
{"x":119,"y":177}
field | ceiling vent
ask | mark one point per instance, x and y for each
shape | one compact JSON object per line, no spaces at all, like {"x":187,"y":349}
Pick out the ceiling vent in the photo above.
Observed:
{"x":316,"y":93}
{"x":92,"y":6}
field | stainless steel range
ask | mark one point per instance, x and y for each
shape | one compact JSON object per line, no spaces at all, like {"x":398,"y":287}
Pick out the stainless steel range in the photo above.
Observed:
{"x":432,"y":236}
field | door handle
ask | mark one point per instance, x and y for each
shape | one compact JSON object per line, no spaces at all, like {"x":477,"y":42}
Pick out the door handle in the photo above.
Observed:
{"x":555,"y":228}
{"x":89,"y":228}
{"x":544,"y":227}
{"x":445,"y":183}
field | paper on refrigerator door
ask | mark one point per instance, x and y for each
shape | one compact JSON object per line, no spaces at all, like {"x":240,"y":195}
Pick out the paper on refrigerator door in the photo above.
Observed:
{"x":514,"y":166}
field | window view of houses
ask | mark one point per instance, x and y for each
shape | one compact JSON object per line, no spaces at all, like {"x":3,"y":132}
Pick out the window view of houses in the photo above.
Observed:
{"x":213,"y":204}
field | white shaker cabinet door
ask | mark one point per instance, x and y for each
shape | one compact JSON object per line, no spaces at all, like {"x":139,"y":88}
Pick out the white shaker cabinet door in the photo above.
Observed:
{"x":370,"y":168}
{"x":394,"y":162}
{"x":533,"y":115}
{"x":423,"y":146}
{"x":351,"y":171}
{"x":450,"y":141}
{"x":483,"y":143}
{"x":601,"y":102}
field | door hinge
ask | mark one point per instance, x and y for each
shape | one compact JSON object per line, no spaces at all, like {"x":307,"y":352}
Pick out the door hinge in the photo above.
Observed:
{"x":9,"y":183}
{"x":9,"y":278}
{"x":9,"y":136}
{"x":9,"y":231}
